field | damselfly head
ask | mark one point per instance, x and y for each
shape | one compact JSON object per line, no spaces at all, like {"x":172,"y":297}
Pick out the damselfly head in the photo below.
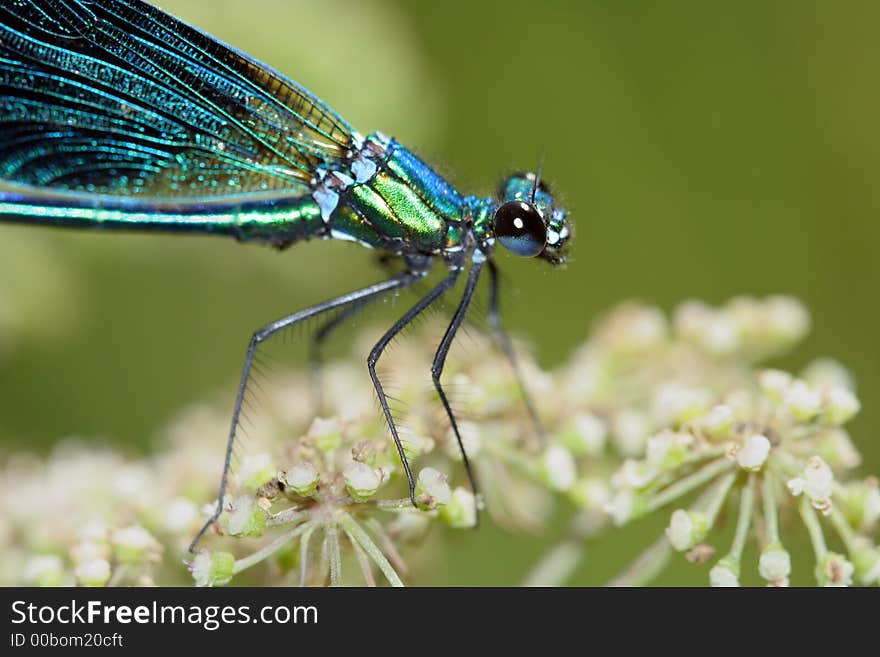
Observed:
{"x":527,"y":222}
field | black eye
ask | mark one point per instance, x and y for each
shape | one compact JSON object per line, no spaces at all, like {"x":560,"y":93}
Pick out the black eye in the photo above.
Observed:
{"x":520,"y":229}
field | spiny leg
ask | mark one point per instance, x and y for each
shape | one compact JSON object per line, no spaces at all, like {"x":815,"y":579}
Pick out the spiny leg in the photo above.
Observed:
{"x":440,"y":362}
{"x":507,"y":347}
{"x":376,"y":353}
{"x":263,"y":334}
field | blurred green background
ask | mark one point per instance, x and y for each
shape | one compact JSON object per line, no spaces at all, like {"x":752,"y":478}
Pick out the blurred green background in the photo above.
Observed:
{"x":704,"y":150}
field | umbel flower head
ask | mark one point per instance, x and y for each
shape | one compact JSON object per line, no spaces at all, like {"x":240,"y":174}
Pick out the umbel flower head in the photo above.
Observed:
{"x":765,"y":448}
{"x":698,"y":433}
{"x":327,"y":504}
{"x":649,"y":416}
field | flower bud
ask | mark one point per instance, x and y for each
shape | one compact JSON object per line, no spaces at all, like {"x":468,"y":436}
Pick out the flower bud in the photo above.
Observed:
{"x":668,"y":449}
{"x":725,"y":573}
{"x":675,"y":404}
{"x":862,"y":503}
{"x":786,"y":318}
{"x":686,"y":529}
{"x":828,"y":373}
{"x":361,"y":481}
{"x":816,"y":482}
{"x":841,"y":405}
{"x":585,"y":434}
{"x":866,"y":561}
{"x":557,"y":468}
{"x":804,"y":402}
{"x":432,"y":489}
{"x":775,"y":384}
{"x":834,"y":570}
{"x":133,"y":544}
{"x":245,"y":517}
{"x":631,"y":429}
{"x":634,"y":474}
{"x":590,"y":493}
{"x":753,"y":452}
{"x":327,"y":434}
{"x":255,"y":471}
{"x":302,"y":479}
{"x":774,"y":563}
{"x":212,"y":568}
{"x":718,"y":421}
{"x":461,"y":510}
{"x":626,"y":505}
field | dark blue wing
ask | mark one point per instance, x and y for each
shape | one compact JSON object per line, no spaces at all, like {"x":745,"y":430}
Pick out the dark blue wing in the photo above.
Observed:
{"x":115,"y":97}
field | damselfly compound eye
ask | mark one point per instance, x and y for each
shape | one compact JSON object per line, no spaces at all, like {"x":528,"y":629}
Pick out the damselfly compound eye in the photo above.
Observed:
{"x":520,"y":228}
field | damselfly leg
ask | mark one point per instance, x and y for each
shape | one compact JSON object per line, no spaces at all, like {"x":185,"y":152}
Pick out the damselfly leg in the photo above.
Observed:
{"x":396,"y":283}
{"x":440,"y":362}
{"x":436,"y":292}
{"x":507,"y":347}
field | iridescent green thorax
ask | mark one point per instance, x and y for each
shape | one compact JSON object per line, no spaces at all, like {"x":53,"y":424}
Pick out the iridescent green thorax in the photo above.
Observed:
{"x":390,"y":199}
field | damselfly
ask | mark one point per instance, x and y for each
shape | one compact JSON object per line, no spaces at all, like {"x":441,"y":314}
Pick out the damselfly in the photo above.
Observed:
{"x":115,"y":115}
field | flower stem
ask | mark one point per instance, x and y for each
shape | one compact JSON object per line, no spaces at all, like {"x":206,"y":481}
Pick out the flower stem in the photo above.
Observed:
{"x":771,"y":516}
{"x":811,"y":520}
{"x":331,"y":537}
{"x":743,"y":521}
{"x":286,"y":517}
{"x":717,"y":495}
{"x":556,"y":567}
{"x":650,"y":562}
{"x":647,"y":565}
{"x":356,"y":532}
{"x":403,"y":503}
{"x":304,"y":552}
{"x":843,"y":529}
{"x":267,"y":550}
{"x":388,"y":545}
{"x":363,"y":562}
{"x":689,"y":483}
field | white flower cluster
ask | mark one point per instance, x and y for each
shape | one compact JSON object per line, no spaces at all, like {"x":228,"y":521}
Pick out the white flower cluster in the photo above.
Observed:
{"x":649,"y":415}
{"x":754,"y":446}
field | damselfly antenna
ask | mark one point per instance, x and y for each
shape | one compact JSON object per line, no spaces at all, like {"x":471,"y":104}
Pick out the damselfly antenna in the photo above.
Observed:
{"x":538,"y":175}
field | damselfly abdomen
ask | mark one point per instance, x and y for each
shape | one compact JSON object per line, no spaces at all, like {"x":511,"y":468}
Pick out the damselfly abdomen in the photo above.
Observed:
{"x":115,"y":115}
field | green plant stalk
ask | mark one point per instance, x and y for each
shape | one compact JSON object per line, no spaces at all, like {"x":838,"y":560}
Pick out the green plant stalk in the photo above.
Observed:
{"x":356,"y":532}
{"x":687,"y":484}
{"x":811,"y":521}
{"x":268,"y":549}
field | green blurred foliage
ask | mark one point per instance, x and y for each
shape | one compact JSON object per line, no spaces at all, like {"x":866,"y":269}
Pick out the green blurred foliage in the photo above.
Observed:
{"x":704,"y":149}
